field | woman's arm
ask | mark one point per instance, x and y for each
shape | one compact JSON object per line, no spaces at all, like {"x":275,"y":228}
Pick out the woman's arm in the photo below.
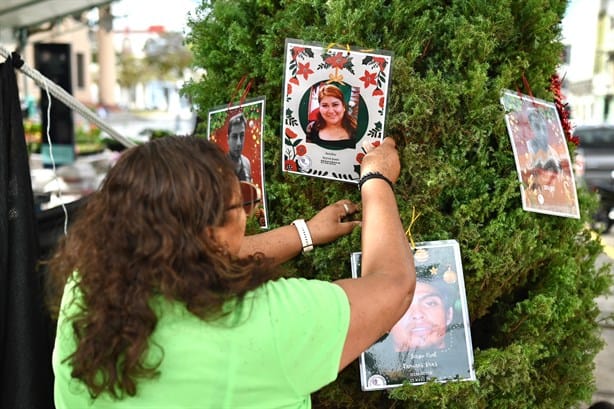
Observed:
{"x":385,"y":289}
{"x":284,"y":243}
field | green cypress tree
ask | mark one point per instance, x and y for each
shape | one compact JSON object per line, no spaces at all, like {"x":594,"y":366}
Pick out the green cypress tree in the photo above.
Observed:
{"x":530,"y":278}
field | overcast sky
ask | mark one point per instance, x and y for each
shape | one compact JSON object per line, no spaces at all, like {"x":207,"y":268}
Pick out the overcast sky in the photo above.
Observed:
{"x":580,"y":32}
{"x":139,"y":14}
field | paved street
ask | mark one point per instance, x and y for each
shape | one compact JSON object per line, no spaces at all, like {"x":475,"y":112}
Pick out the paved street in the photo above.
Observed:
{"x":134,"y":125}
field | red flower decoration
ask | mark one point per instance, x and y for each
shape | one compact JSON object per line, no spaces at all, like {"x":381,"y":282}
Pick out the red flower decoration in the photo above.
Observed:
{"x":289,"y":89}
{"x":368,"y":78}
{"x":376,"y":143}
{"x":336,"y":60}
{"x":301,"y":150}
{"x":293,"y":80}
{"x":360,"y":157}
{"x":290,"y":165}
{"x":381,"y":62}
{"x":296,"y":51}
{"x":304,"y":70}
{"x":377,"y":91}
{"x":290,"y":133}
{"x":381,"y":102}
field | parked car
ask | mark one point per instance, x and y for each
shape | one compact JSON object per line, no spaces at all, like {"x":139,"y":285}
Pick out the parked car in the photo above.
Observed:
{"x":594,"y":166}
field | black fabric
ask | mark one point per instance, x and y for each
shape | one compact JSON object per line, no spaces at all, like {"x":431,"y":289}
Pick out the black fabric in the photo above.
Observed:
{"x":50,"y":225}
{"x":25,"y":335}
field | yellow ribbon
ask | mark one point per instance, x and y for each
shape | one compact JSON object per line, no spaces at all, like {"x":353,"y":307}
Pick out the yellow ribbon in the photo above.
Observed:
{"x":331,"y":45}
{"x":414,"y":217}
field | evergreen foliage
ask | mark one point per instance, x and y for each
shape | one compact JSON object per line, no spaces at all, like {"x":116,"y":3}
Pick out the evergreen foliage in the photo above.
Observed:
{"x":531,"y":279}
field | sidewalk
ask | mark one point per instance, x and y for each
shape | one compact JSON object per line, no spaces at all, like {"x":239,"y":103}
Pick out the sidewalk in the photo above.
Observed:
{"x":604,"y":362}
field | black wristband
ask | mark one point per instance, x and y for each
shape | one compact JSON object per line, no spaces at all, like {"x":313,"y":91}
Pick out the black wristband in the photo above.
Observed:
{"x":373,"y":175}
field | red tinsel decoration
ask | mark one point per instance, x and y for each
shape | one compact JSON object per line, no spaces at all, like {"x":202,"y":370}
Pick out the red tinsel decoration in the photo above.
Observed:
{"x":562,"y":108}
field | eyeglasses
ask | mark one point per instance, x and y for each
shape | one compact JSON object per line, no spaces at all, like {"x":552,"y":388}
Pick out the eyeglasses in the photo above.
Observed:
{"x":250,"y":197}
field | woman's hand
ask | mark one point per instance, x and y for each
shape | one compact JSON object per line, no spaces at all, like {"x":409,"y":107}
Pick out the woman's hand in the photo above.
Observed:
{"x":333,"y":222}
{"x":383,"y":159}
{"x":283,"y":243}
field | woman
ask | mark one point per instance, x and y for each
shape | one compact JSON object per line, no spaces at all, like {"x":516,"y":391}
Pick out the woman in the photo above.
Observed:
{"x":167,"y":304}
{"x":334,"y":126}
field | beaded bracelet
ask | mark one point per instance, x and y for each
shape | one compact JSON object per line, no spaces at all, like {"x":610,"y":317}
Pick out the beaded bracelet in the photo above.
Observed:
{"x":373,"y":175}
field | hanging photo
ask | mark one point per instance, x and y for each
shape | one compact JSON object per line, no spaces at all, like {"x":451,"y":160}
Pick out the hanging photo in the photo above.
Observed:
{"x":238,"y":131}
{"x":547,"y":183}
{"x":432,"y":340}
{"x":334,"y":99}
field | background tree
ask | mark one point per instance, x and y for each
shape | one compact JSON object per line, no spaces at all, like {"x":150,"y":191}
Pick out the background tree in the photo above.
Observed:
{"x":530,"y":278}
{"x":166,"y":59}
{"x":132,"y":71}
{"x":167,"y":56}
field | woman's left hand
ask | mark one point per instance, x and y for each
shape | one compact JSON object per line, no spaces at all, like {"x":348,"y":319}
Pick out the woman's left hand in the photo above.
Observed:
{"x":333,"y":221}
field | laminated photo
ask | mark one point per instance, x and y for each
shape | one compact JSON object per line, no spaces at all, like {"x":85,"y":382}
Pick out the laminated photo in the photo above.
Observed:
{"x":334,"y":99}
{"x":237,"y":130}
{"x":543,"y":165}
{"x":432,"y":340}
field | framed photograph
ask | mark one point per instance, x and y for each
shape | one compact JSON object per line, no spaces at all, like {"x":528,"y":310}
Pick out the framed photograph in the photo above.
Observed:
{"x":432,"y":341}
{"x":334,"y":98}
{"x":238,"y":130}
{"x":543,"y":164}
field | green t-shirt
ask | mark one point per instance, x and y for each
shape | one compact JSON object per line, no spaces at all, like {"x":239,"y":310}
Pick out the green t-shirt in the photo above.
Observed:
{"x":284,"y":343}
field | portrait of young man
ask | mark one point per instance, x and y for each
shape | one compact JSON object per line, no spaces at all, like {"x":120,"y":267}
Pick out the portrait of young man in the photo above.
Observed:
{"x":432,"y":340}
{"x":237,"y":130}
{"x":236,"y":141}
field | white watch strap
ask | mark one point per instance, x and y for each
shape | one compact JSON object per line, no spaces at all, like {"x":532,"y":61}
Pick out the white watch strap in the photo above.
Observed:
{"x":303,"y":233}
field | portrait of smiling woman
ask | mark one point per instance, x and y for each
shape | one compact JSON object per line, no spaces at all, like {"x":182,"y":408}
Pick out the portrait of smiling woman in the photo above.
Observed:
{"x":334,"y":126}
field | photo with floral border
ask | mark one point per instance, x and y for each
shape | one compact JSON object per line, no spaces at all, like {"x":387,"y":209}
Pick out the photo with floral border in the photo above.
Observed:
{"x":252,"y":111}
{"x":358,"y":78}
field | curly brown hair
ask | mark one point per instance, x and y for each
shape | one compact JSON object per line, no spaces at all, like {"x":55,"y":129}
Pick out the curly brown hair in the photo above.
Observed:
{"x":144,"y":234}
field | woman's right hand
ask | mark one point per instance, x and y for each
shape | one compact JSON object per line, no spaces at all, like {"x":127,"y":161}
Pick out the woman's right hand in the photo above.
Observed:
{"x":383,"y":159}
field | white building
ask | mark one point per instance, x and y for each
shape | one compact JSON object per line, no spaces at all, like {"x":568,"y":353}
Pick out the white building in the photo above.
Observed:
{"x":588,"y":68}
{"x":94,"y":47}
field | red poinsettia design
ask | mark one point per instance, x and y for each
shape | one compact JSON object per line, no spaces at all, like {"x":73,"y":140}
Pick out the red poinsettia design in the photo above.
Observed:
{"x":301,"y":150}
{"x":368,"y":78}
{"x":360,"y":157}
{"x":304,"y":70}
{"x":296,"y":51}
{"x":377,"y":91}
{"x":381,"y":62}
{"x":336,"y":60}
